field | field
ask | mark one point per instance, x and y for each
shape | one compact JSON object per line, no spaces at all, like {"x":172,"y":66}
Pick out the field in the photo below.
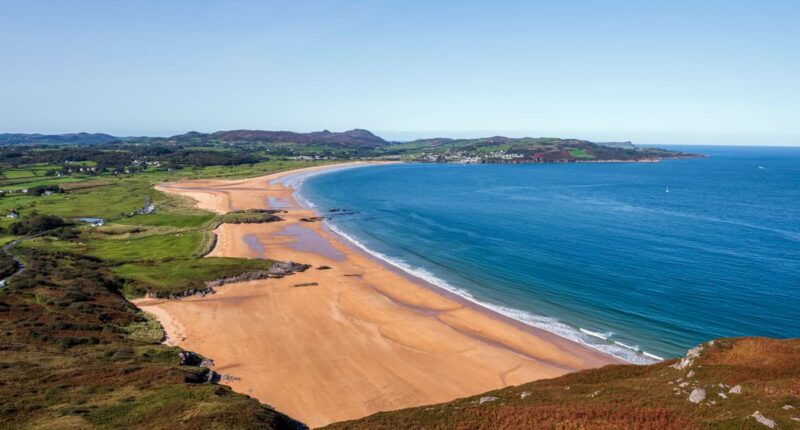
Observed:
{"x":181,"y":274}
{"x":158,"y":253}
{"x":581,"y":154}
{"x":74,"y":353}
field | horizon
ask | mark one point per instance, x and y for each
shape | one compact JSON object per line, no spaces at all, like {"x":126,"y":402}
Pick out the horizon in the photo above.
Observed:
{"x":717,"y":73}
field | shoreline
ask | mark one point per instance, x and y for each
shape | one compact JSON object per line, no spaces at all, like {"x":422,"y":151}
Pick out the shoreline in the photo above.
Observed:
{"x":376,"y":334}
{"x":626,"y":353}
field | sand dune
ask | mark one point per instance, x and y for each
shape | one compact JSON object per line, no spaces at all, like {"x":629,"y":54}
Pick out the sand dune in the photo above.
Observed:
{"x":364,"y":339}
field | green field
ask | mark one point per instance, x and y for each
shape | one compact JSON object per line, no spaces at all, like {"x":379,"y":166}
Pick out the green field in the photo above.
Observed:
{"x":580,"y":153}
{"x":157,"y":252}
{"x":86,"y":357}
{"x":167,"y":219}
{"x":182,"y":274}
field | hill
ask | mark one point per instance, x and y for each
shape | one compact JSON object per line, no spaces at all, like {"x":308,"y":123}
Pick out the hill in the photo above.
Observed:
{"x":744,"y":383}
{"x":350,"y":138}
{"x":249,"y":145}
{"x":44,"y":139}
{"x":500,"y":149}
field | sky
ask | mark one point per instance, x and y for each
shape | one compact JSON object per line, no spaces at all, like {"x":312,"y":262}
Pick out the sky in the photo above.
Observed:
{"x":672,"y":72}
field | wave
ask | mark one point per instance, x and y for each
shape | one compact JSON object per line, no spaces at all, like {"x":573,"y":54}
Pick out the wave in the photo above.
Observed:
{"x":599,"y":341}
{"x":596,"y":334}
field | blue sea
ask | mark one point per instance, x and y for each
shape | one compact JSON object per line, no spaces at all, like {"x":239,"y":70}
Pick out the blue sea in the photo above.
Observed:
{"x":642,"y":261}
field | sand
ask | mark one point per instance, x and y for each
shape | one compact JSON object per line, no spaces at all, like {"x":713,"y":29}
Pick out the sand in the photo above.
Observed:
{"x":364,"y":339}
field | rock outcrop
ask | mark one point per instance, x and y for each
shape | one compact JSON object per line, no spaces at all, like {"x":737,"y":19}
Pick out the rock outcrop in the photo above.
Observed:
{"x":278,"y":270}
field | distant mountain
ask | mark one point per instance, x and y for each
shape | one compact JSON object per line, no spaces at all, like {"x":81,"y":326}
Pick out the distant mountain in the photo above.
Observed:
{"x":352,"y":138}
{"x":69,"y":138}
{"x":358,"y":143}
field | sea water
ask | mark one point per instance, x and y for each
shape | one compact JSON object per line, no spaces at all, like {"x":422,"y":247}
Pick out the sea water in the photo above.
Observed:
{"x":639,"y":260}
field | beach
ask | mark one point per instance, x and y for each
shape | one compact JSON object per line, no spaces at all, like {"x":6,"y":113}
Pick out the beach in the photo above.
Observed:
{"x":349,"y":336}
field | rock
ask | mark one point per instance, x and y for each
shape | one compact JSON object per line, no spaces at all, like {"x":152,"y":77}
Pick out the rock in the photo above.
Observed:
{"x":191,"y":292}
{"x":524,"y":394}
{"x":207,"y":363}
{"x":697,"y":395}
{"x":212,"y":377}
{"x":787,"y":407}
{"x":285,"y":268}
{"x":736,"y":389}
{"x":690,"y":374}
{"x":690,"y":356}
{"x":324,"y":268}
{"x":486,"y":399}
{"x":763,"y":420}
{"x":189,"y":358}
{"x":229,"y":378}
{"x":722,"y":395}
{"x":306,"y":284}
{"x":278,"y":270}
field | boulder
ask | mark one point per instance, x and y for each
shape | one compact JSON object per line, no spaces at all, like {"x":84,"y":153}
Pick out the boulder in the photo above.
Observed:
{"x":697,"y":395}
{"x":763,"y":420}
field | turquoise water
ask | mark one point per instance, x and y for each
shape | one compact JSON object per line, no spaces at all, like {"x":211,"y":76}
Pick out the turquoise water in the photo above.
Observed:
{"x":629,"y":258}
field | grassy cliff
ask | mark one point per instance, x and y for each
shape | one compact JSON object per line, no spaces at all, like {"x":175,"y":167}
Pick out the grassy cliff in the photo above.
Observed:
{"x":75,"y":354}
{"x":724,"y":384}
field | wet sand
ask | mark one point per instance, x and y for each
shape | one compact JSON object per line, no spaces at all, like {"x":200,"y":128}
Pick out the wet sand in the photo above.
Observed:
{"x":364,"y":339}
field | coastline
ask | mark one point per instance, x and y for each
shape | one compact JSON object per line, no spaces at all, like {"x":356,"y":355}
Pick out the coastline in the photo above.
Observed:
{"x":374,"y":333}
{"x":524,"y":320}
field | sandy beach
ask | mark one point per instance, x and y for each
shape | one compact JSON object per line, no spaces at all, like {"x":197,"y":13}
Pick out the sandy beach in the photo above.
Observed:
{"x":334,"y":344}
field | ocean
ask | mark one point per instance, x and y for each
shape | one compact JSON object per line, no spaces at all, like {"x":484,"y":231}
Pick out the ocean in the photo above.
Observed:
{"x":639,"y":260}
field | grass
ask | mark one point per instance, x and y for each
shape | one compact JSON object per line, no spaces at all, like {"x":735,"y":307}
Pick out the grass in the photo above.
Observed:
{"x":96,"y":198}
{"x":581,"y":153}
{"x":147,"y":331}
{"x":17,"y":185}
{"x":631,"y":397}
{"x":169,"y":277}
{"x":75,"y":355}
{"x":113,"y":197}
{"x":167,"y":219}
{"x":136,"y":247}
{"x":74,"y":352}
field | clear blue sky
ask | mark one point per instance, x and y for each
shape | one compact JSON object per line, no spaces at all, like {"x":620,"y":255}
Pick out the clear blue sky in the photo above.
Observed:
{"x":673,"y":72}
